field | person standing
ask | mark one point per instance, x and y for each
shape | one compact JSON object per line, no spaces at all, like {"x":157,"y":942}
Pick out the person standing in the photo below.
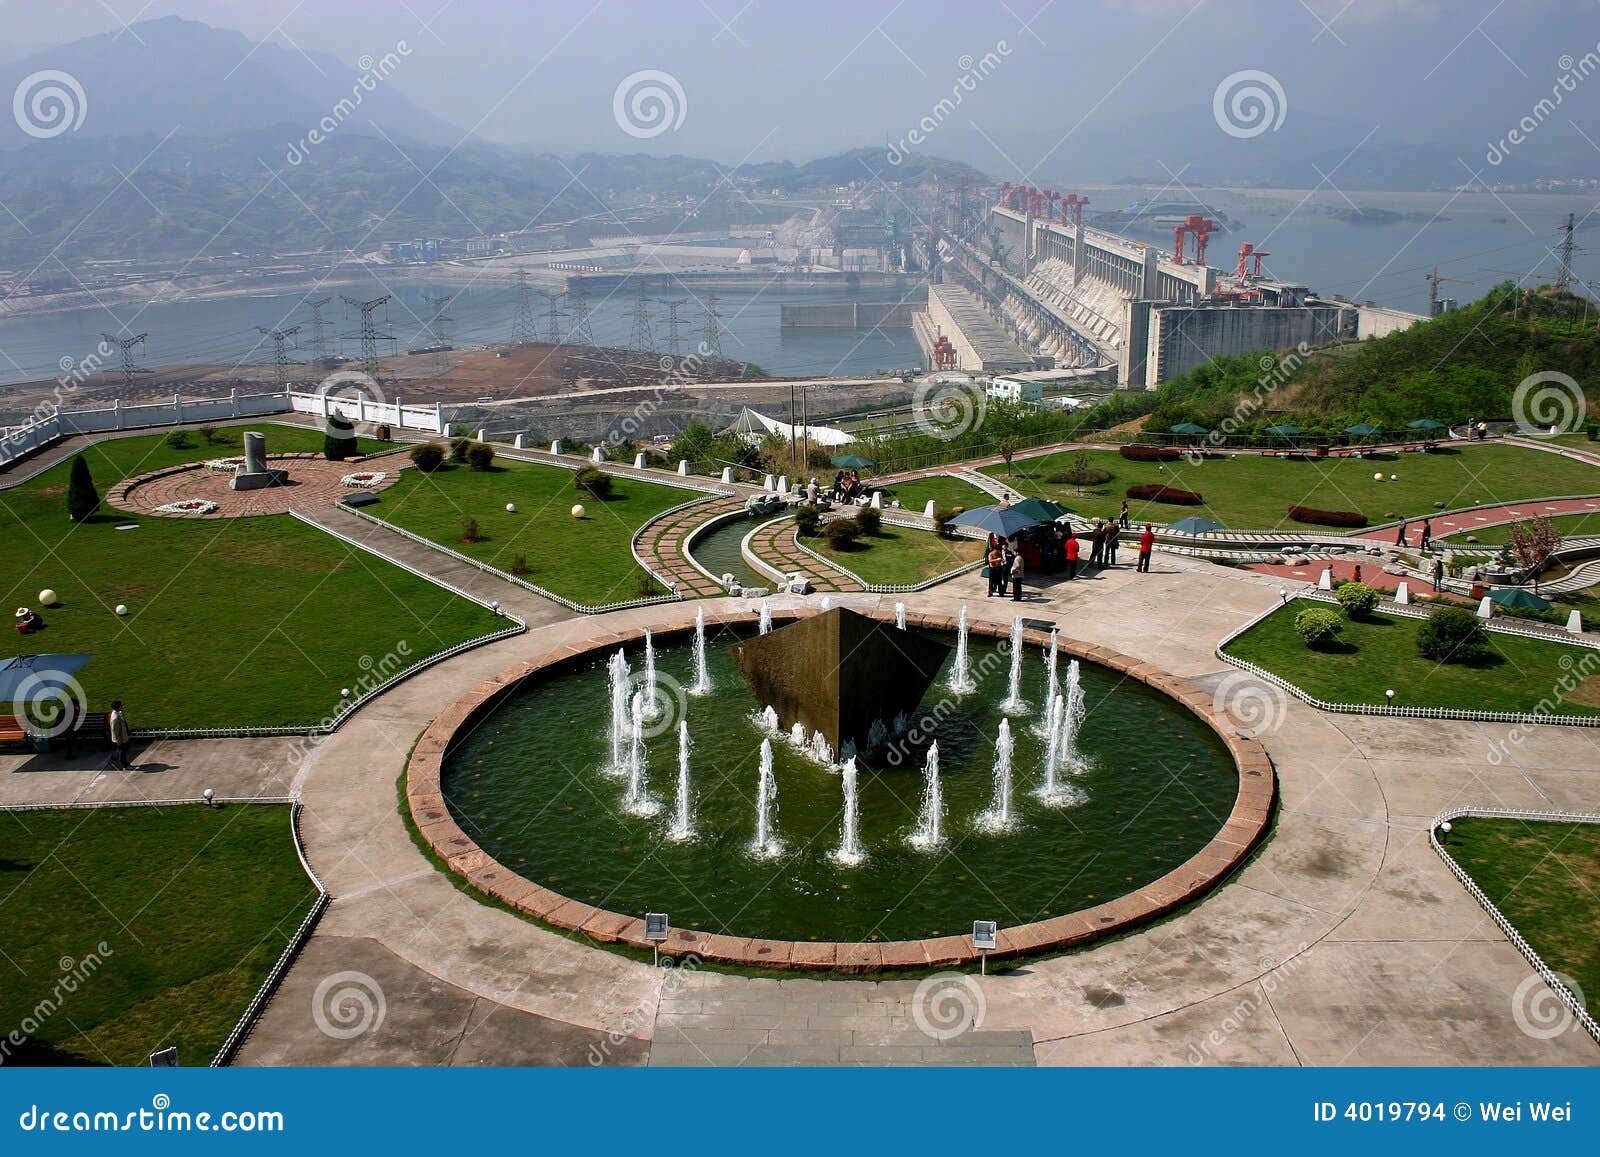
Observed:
{"x":1123,"y":517}
{"x":996,"y":567}
{"x":1427,"y":533}
{"x":1147,"y":542}
{"x":1097,"y":544}
{"x":117,"y":727}
{"x":1016,"y":576}
{"x":1357,"y":576}
{"x":1438,"y":573}
{"x":1073,"y":548}
{"x":1113,"y":540}
{"x":1400,"y":535}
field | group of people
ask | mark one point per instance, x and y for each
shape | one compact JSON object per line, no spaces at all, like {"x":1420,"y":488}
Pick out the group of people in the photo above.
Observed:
{"x":847,"y":486}
{"x":1401,"y":538}
{"x":1054,"y":547}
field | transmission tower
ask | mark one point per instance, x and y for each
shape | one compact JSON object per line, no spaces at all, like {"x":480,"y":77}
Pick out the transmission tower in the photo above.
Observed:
{"x":580,"y":333}
{"x":126,"y":344}
{"x":440,"y":325}
{"x":522,"y":331}
{"x":713,"y":328}
{"x":280,"y":355}
{"x":674,"y":337}
{"x":321,"y":344}
{"x":370,"y":337}
{"x":642,"y":339}
{"x":552,"y":316}
{"x":1564,"y":270}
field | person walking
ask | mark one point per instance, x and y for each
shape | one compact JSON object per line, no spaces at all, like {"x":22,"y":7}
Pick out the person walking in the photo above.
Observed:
{"x":1097,"y":544}
{"x":1427,"y":533}
{"x":1073,"y":550}
{"x":1147,"y":542}
{"x":1400,"y":535}
{"x":1123,"y":517}
{"x":117,"y":727}
{"x":1113,"y":540}
{"x":996,"y":567}
{"x":1016,"y":576}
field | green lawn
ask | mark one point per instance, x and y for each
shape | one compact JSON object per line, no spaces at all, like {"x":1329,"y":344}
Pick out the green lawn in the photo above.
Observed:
{"x":117,"y":458}
{"x":1373,"y":656}
{"x":1538,"y":875}
{"x":1252,"y":492}
{"x":1569,"y":525}
{"x":234,"y":622}
{"x":589,"y":560}
{"x":129,"y":930}
{"x":899,"y":554}
{"x":944,"y":490}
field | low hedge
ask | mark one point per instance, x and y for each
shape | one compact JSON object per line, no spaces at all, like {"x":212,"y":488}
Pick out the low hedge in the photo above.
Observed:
{"x":1155,"y":492}
{"x":1314,"y":517}
{"x":1140,"y":453}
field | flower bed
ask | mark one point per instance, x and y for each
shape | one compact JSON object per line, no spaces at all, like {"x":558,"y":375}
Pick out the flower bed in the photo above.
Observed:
{"x":1142,"y":453}
{"x":1154,"y":492}
{"x":228,"y":464}
{"x":365,"y":479}
{"x":1313,"y":517}
{"x":188,"y":506}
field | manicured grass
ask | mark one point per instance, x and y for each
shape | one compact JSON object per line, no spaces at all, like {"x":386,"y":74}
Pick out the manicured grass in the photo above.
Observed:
{"x":1569,"y":525}
{"x":589,"y":560}
{"x":129,"y":930}
{"x":1251,"y":492}
{"x":1373,"y":656}
{"x":1538,"y":875}
{"x":234,"y":622}
{"x":944,"y":491}
{"x":899,"y":554}
{"x":113,"y":460}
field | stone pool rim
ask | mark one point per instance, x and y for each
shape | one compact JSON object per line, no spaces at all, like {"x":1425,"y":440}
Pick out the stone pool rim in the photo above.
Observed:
{"x":1232,"y":844}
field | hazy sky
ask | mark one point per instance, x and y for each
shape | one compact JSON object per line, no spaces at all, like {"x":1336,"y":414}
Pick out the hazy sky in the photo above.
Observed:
{"x":766,"y":80}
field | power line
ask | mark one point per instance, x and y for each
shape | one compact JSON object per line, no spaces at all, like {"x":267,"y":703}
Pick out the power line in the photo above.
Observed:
{"x":552,"y":302}
{"x":642,"y":338}
{"x":522,"y":330}
{"x":439,"y":327}
{"x":580,"y":333}
{"x":712,"y":336}
{"x":280,"y":356}
{"x":370,"y":337}
{"x":674,"y":337}
{"x":126,"y":344}
{"x":321,"y":344}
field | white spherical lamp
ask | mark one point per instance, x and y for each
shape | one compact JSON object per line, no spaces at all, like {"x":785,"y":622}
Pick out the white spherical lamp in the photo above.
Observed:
{"x":122,"y":608}
{"x":577,"y":510}
{"x":47,"y":597}
{"x":1393,"y":478}
{"x":511,"y":508}
{"x":1378,"y":477}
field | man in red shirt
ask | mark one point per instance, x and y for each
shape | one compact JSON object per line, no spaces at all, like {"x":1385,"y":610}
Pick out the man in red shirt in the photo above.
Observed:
{"x":1147,"y":542}
{"x":1072,"y":555}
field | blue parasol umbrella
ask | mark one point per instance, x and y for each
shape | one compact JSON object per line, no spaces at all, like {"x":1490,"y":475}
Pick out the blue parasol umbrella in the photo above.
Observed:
{"x":1193,"y":525}
{"x":1002,"y":520}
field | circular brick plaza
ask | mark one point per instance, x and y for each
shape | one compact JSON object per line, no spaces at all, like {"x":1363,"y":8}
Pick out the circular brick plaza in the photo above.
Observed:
{"x":314,"y":484}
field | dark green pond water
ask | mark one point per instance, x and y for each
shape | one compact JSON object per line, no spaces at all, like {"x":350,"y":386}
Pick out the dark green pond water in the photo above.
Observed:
{"x":531,"y":786}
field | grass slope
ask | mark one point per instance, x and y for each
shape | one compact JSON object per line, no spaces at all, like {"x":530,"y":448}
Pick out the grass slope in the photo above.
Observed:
{"x":901,"y":555}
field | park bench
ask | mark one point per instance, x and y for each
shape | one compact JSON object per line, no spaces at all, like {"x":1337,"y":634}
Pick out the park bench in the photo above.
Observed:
{"x":91,"y":725}
{"x":12,"y":730}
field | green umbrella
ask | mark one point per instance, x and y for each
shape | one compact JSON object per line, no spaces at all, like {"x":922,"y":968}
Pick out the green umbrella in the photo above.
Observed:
{"x":1363,"y":430}
{"x":1190,"y":429}
{"x":852,"y":462}
{"x":1196,"y":526}
{"x":1041,"y":508}
{"x":1426,"y":424}
{"x":1285,"y":431}
{"x":1517,"y":599}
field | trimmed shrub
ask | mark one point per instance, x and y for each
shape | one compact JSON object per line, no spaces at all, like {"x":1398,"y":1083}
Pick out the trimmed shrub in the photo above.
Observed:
{"x":519,"y":564}
{"x":1311,"y":516}
{"x":806,"y":520}
{"x":1452,"y":635}
{"x":427,"y":457}
{"x":1358,"y":600}
{"x":480,"y":456}
{"x":941,"y":520}
{"x":1141,"y":453}
{"x":470,"y":531}
{"x":1079,"y":476}
{"x":842,"y":533}
{"x":1155,"y":492}
{"x":339,"y":439}
{"x":82,"y":498}
{"x":1318,"y":626}
{"x":870,"y":521}
{"x":179,"y":440}
{"x":459,"y":448}
{"x":593,"y":481}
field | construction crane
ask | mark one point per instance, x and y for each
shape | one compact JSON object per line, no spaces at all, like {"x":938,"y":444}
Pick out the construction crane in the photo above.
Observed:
{"x":1434,"y":280}
{"x":1198,"y":227}
{"x":280,"y":356}
{"x":1247,"y":250}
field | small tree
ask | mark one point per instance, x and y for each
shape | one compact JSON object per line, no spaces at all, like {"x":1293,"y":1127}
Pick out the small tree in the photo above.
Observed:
{"x":459,"y":448}
{"x":1452,"y":635}
{"x":1533,"y":541}
{"x":806,"y":520}
{"x":842,"y":533}
{"x":1318,"y":626}
{"x":941,"y":521}
{"x":1358,"y":599}
{"x":427,"y":457}
{"x":339,"y":440}
{"x":82,"y":498}
{"x":480,"y":456}
{"x":470,"y":531}
{"x":593,"y":481}
{"x":870,"y":521}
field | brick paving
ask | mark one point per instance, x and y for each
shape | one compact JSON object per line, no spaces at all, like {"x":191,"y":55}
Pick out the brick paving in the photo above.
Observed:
{"x":1468,"y":521}
{"x":661,"y":545}
{"x":774,"y":544}
{"x":313,"y":486}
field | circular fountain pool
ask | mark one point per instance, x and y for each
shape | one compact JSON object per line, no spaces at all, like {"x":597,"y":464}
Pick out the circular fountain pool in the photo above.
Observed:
{"x":535,"y":784}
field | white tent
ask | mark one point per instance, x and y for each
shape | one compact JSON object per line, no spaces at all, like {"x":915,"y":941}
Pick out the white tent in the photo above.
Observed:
{"x":753,"y":427}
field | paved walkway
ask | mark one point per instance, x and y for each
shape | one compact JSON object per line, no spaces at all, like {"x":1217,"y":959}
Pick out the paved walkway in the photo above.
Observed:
{"x":774,"y":544}
{"x":313,"y":485}
{"x":1470,"y":521}
{"x":661,"y":545}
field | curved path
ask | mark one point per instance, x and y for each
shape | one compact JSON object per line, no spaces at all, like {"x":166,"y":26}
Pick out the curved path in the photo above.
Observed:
{"x":774,"y":544}
{"x":661,"y":545}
